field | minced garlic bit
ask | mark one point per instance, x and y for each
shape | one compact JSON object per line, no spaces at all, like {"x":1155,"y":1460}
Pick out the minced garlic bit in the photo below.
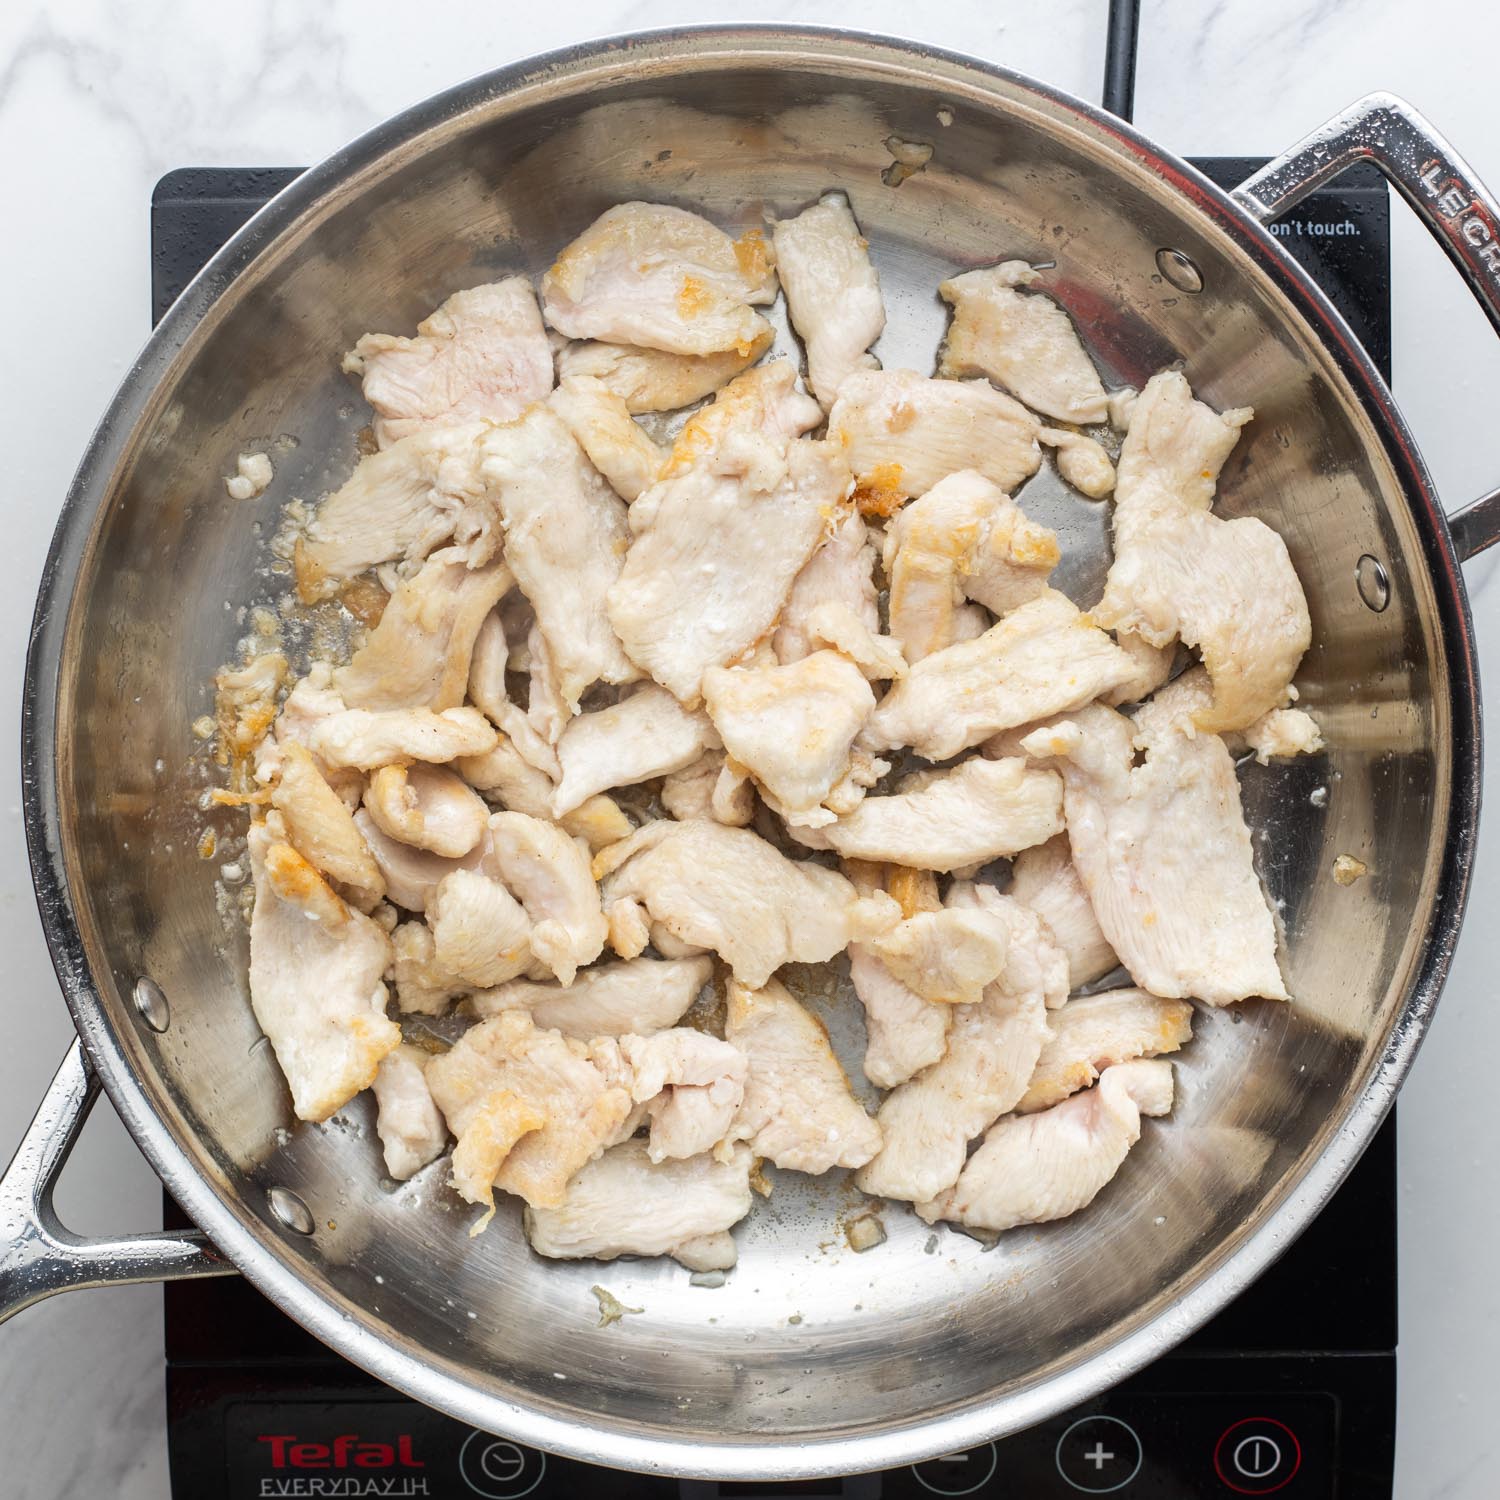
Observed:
{"x":909,"y":158}
{"x":611,"y":1309}
{"x":204,"y":726}
{"x":865,"y":1232}
{"x":1347,"y":869}
{"x":253,"y":476}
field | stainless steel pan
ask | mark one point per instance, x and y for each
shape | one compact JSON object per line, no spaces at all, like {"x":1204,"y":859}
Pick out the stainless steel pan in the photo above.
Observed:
{"x":898,"y":1353}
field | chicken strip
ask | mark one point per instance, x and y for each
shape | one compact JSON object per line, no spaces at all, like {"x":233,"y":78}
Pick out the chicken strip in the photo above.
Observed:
{"x":423,"y":985}
{"x":878,"y":657}
{"x":480,"y":932}
{"x":1022,"y":341}
{"x":1181,"y":572}
{"x":792,"y":727}
{"x":626,"y":1204}
{"x":903,"y":432}
{"x":640,"y":996}
{"x":651,"y":380}
{"x":601,"y":423}
{"x":963,"y":539}
{"x":689,"y":1084}
{"x":647,"y":734}
{"x":316,"y":968}
{"x":491,"y":1132}
{"x":832,"y":292}
{"x":409,"y":1124}
{"x":1035,"y":1168}
{"x":1081,"y":461}
{"x":429,"y":807}
{"x":903,"y":1032}
{"x":947,"y":957}
{"x":840,"y":572}
{"x":728,"y":890}
{"x":1045,"y":879}
{"x":1094,"y":1032}
{"x":798,"y":1112}
{"x":1165,"y":856}
{"x":1152,"y":667}
{"x":321,"y":828}
{"x":1283,"y":732}
{"x":363,"y":739}
{"x":552,"y":1077}
{"x":1043,"y":658}
{"x":482,"y":356}
{"x":978,"y":811}
{"x":411,"y":874}
{"x":646,"y":273}
{"x":709,"y":788}
{"x":418,"y":656}
{"x":993,"y":1046}
{"x":402,"y":503}
{"x":504,"y":775}
{"x":550,"y":875}
{"x":710,"y":575}
{"x":565,"y":538}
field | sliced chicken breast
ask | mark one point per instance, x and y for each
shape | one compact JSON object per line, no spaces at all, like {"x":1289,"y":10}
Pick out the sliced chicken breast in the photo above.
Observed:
{"x":1180,"y":572}
{"x":626,"y":1204}
{"x":648,"y":380}
{"x":832,"y":292}
{"x":409,"y":1124}
{"x":1094,"y":1032}
{"x":1021,"y":340}
{"x":640,"y":996}
{"x":482,"y":356}
{"x":601,"y":423}
{"x":316,"y":970}
{"x":903,"y":432}
{"x":1041,"y":659}
{"x":1045,"y":879}
{"x":649,"y":274}
{"x":1165,"y":856}
{"x":798,"y":1112}
{"x":1035,"y":1168}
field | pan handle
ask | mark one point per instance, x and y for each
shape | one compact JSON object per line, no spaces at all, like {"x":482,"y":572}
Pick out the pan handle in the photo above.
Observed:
{"x":1458,"y":210}
{"x":38,"y":1256}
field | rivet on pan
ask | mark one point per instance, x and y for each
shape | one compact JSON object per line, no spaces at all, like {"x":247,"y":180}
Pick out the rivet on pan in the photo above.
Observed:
{"x":1180,"y":270}
{"x":152,"y":1004}
{"x":1373,"y":583}
{"x":291,"y":1210}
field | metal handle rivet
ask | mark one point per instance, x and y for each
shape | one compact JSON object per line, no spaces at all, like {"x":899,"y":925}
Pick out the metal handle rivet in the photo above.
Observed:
{"x":1181,"y":270}
{"x":152,"y":1004}
{"x":1373,"y":582}
{"x":293,"y":1213}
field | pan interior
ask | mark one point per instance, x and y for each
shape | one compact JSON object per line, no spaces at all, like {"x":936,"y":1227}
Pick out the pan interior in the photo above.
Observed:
{"x":807,"y":1341}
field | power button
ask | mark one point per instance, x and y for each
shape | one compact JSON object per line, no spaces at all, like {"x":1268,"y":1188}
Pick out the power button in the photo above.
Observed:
{"x":1257,"y":1456}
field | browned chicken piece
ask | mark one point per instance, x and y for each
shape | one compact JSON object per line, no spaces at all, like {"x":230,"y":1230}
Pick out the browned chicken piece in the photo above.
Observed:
{"x":963,"y":539}
{"x":903,"y":432}
{"x":1094,"y":1032}
{"x":316,"y":969}
{"x":650,"y":380}
{"x":601,"y":422}
{"x":649,"y":274}
{"x":409,"y":1124}
{"x":549,"y":1076}
{"x":321,"y":828}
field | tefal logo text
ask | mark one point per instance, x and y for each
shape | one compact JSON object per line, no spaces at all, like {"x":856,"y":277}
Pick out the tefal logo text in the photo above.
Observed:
{"x":347,"y":1451}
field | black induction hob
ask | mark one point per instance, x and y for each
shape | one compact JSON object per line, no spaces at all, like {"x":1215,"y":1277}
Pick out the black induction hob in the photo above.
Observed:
{"x":1290,"y":1390}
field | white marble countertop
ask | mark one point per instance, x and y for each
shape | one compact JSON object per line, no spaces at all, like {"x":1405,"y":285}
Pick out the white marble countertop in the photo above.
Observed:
{"x":99,"y":97}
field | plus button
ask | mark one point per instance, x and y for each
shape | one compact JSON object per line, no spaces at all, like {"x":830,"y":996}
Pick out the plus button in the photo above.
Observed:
{"x":1098,"y":1455}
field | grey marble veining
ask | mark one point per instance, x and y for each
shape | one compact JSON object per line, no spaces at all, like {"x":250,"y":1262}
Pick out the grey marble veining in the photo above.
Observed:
{"x":99,"y":97}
